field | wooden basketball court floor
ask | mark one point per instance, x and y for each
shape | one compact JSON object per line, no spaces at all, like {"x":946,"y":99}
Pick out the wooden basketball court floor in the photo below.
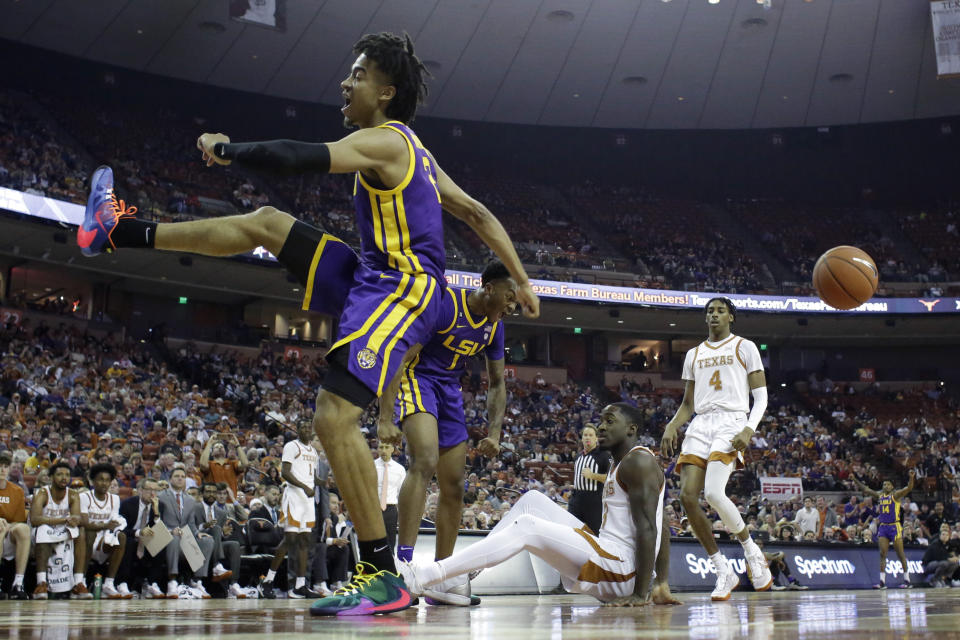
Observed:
{"x":810,"y":614}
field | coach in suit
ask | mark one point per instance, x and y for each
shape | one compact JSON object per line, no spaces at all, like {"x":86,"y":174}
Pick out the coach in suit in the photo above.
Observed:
{"x":215,"y":523}
{"x":141,"y":512}
{"x":181,"y":513}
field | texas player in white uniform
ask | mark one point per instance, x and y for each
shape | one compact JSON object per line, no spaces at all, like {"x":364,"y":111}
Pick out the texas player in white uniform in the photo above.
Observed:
{"x":719,"y":374}
{"x":55,"y":517}
{"x":100,"y":517}
{"x":298,"y":467}
{"x":617,"y":565}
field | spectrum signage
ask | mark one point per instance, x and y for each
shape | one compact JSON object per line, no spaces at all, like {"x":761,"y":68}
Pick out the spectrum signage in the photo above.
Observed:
{"x":818,"y":566}
{"x":69,"y":213}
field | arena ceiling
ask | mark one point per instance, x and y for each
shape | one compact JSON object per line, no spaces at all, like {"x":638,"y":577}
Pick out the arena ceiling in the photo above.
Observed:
{"x":677,"y":64}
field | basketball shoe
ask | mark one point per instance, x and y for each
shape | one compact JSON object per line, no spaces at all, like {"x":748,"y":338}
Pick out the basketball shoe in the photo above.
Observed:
{"x":103,"y":212}
{"x":370,"y":592}
{"x":460,"y":596}
{"x":727,"y":581}
{"x":758,"y":571}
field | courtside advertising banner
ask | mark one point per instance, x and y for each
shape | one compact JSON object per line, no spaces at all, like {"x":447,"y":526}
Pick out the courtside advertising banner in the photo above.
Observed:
{"x":945,"y":15}
{"x":67,"y":213}
{"x":840,"y":566}
{"x":780,"y":489}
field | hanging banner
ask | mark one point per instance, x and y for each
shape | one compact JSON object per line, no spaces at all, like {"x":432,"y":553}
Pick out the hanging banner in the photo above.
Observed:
{"x":780,"y":489}
{"x":945,"y":15}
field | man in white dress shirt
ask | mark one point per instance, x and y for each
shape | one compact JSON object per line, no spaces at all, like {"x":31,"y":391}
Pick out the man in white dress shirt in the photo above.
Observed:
{"x":390,"y":475}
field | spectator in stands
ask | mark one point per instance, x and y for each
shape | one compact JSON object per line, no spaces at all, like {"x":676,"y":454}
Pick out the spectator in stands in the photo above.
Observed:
{"x":807,"y":519}
{"x":940,"y":561}
{"x":14,"y":531}
{"x":220,"y":528}
{"x":936,"y":518}
{"x":230,"y":504}
{"x":215,"y":465}
{"x":827,"y":517}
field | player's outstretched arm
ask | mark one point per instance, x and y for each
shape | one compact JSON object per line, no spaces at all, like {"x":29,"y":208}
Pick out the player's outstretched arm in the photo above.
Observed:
{"x":496,"y":406}
{"x":363,"y":150}
{"x":642,"y":477}
{"x":865,"y":489}
{"x":668,"y":444}
{"x":485,"y":224}
{"x":903,"y":493}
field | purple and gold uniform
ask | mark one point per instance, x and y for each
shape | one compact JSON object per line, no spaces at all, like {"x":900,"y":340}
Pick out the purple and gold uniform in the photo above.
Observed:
{"x":331,"y":272}
{"x":888,"y":517}
{"x":396,"y":294}
{"x":430,"y":383}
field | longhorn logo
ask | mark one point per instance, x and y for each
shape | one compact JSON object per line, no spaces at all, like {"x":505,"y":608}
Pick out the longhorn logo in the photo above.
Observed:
{"x":929,"y":305}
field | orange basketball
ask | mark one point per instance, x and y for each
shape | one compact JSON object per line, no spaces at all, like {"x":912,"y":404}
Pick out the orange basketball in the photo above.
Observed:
{"x":845,"y":277}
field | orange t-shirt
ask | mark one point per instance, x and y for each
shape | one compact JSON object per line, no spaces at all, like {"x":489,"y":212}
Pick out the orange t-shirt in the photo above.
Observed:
{"x":223,"y":473}
{"x":12,"y":506}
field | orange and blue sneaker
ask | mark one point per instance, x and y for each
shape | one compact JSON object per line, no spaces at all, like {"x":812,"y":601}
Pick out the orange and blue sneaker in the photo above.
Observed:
{"x":102,"y":214}
{"x":370,"y":592}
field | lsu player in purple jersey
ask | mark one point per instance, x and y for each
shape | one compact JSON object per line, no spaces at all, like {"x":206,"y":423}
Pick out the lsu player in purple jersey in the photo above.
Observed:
{"x":429,"y":405}
{"x":888,"y":527}
{"x":395,"y":297}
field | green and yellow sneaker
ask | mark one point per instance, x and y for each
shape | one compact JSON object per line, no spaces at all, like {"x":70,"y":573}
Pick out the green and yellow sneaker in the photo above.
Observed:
{"x":369,"y":593}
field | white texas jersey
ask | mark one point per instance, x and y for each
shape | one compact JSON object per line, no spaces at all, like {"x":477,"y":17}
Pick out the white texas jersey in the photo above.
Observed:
{"x":56,"y":509}
{"x":100,"y":511}
{"x":303,"y":461}
{"x":617,"y":525}
{"x":719,"y":373}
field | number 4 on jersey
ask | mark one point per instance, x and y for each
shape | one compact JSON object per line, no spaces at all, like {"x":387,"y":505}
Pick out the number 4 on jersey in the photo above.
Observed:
{"x":715,"y":381}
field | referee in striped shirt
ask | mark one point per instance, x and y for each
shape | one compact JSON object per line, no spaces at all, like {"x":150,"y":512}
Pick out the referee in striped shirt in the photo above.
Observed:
{"x":589,"y":474}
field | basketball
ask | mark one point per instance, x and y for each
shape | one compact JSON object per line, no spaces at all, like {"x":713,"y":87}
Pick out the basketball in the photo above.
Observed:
{"x":845,"y":277}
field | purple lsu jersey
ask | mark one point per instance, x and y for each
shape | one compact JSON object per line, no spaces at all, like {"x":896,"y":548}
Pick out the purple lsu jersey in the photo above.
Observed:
{"x":430,"y":383}
{"x":460,"y":337}
{"x":396,"y":295}
{"x":401,"y":229}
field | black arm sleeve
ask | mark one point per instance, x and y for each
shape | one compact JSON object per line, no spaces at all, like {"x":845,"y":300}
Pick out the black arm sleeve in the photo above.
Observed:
{"x":282,"y":156}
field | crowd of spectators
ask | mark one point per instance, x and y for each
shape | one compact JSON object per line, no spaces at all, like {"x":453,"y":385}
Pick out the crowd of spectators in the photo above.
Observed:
{"x":667,"y":243}
{"x":33,"y":160}
{"x":89,"y":399}
{"x":670,"y":242}
{"x":936,"y":234}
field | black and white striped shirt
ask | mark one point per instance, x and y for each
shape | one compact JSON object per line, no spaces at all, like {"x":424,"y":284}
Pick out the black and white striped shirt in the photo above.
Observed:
{"x":597,"y":461}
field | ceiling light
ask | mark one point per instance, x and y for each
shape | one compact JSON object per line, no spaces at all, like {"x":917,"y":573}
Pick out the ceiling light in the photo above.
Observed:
{"x":621,"y":321}
{"x":680,"y":98}
{"x":569,"y":318}
{"x":714,"y":1}
{"x":673,"y":324}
